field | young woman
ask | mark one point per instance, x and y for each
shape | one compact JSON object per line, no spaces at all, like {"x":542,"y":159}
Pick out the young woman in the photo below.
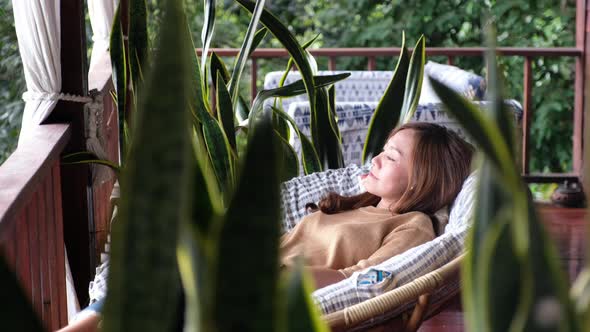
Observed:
{"x":419,"y":172}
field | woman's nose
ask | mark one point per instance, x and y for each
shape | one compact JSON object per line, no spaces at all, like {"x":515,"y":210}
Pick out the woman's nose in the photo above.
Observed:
{"x":375,"y":159}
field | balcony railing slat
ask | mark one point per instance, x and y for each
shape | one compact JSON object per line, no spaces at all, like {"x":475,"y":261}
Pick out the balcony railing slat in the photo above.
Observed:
{"x":50,"y":248}
{"x":59,"y":247}
{"x":527,"y":116}
{"x":18,"y":174}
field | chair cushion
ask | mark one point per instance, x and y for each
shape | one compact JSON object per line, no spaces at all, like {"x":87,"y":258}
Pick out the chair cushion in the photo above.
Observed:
{"x":370,"y":85}
{"x":354,"y":119}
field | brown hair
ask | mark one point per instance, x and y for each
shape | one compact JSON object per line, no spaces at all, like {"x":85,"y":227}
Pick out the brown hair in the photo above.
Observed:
{"x":440,"y":163}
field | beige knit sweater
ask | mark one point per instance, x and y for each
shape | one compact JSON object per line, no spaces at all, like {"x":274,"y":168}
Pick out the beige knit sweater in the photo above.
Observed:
{"x":353,"y":240}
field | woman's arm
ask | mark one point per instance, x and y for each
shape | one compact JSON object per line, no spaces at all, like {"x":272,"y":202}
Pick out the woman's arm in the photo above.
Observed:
{"x":324,"y":276}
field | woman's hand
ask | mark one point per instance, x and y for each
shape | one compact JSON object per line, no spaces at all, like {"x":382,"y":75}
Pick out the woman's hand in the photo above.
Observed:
{"x":324,"y":276}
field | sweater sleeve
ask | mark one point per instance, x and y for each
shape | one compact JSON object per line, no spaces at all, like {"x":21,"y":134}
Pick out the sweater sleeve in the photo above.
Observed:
{"x":411,"y":234}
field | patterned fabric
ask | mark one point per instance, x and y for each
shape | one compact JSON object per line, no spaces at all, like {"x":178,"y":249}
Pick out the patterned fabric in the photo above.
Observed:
{"x":470,"y":85}
{"x":370,"y":85}
{"x":354,"y":119}
{"x":299,"y":191}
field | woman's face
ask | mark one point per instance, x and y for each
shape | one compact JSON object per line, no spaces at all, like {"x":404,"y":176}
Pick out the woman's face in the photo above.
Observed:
{"x":390,"y":170}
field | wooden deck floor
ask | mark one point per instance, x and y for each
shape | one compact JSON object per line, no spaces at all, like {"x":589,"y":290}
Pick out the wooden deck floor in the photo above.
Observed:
{"x":567,"y":228}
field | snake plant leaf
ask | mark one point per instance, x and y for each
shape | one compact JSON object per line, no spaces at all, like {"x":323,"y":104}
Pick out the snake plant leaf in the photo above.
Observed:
{"x":387,"y":113}
{"x":242,"y":109}
{"x":286,"y":38}
{"x":414,"y":81}
{"x":225,"y":112}
{"x":258,"y":38}
{"x":220,"y":155}
{"x":489,"y":240}
{"x":281,"y":125}
{"x":16,"y":311}
{"x":251,"y":228}
{"x":207,"y":200}
{"x":309,"y":157}
{"x":187,"y":255}
{"x":481,"y":129}
{"x":550,"y":284}
{"x":324,"y":134}
{"x":207,"y":32}
{"x":495,"y":91}
{"x":302,"y":313}
{"x":245,"y":49}
{"x":504,"y":122}
{"x":155,"y":193}
{"x":291,"y":61}
{"x":197,"y":97}
{"x":332,"y":105}
{"x":138,"y":40}
{"x":580,"y":293}
{"x":490,"y":139}
{"x":294,"y":89}
{"x":119,"y":76}
{"x":290,"y":162}
{"x":87,"y":157}
{"x":218,"y":68}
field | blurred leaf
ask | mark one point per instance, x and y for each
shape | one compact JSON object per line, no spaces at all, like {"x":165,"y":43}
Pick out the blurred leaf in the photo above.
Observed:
{"x":481,"y":129}
{"x":16,"y":312}
{"x":302,"y":313}
{"x":387,"y":113}
{"x":245,"y":50}
{"x":250,"y":227}
{"x":225,"y":112}
{"x":484,"y":269}
{"x":138,"y":40}
{"x":294,"y":89}
{"x":188,"y":265}
{"x":495,"y":93}
{"x":551,"y":307}
{"x":414,"y":81}
{"x":86,"y":157}
{"x":309,"y":156}
{"x":155,"y":194}
{"x":119,"y":76}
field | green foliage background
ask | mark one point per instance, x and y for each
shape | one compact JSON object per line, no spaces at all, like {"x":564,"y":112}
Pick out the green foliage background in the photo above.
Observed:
{"x":367,"y":23}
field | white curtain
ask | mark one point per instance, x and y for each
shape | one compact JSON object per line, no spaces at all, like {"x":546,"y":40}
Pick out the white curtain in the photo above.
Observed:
{"x":101,"y":14}
{"x":37,"y":24}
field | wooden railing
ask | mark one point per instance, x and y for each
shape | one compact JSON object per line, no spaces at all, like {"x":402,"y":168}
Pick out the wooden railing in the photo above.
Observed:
{"x":451,"y":53}
{"x":31,"y":229}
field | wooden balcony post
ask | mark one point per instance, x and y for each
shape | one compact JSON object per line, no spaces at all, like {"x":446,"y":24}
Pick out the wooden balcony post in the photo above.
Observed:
{"x":527,"y":116}
{"x":579,"y":101}
{"x":78,"y":217}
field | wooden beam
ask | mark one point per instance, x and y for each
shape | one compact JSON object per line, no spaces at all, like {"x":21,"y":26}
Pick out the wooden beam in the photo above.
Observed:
{"x":78,"y":219}
{"x":578,"y":134}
